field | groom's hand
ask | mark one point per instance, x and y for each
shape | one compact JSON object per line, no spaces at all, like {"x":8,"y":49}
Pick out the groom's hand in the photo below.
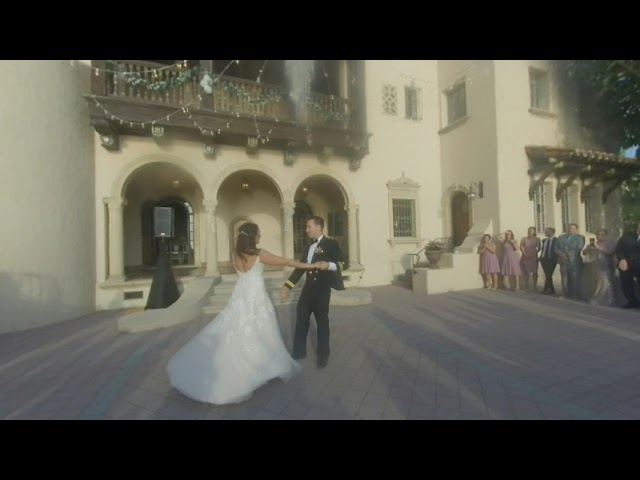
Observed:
{"x":323,"y":265}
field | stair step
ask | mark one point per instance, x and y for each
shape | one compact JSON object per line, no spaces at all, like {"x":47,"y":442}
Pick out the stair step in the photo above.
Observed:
{"x":222,"y":292}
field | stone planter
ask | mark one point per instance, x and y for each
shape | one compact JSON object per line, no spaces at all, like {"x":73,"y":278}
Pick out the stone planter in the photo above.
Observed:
{"x":433,"y":257}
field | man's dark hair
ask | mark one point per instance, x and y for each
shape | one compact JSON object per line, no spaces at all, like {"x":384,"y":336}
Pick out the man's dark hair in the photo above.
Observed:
{"x":317,"y":220}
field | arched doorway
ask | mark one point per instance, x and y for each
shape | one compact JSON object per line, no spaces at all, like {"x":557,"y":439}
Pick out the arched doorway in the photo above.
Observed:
{"x":248,"y":196}
{"x":183,"y":240}
{"x":460,"y":221}
{"x":160,"y":184}
{"x":321,"y":195}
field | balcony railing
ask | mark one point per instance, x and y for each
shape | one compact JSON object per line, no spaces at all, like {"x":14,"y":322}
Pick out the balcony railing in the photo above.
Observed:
{"x":155,"y":83}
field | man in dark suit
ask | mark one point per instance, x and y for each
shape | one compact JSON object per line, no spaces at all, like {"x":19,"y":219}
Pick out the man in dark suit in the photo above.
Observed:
{"x":568,"y":248}
{"x":316,"y":293}
{"x":549,"y":259}
{"x":628,"y":253}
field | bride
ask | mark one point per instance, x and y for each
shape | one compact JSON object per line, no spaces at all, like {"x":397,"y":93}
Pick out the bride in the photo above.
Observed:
{"x":242,"y":348}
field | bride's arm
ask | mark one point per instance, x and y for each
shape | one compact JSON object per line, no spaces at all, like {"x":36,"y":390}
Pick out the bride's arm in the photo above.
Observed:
{"x":271,"y":259}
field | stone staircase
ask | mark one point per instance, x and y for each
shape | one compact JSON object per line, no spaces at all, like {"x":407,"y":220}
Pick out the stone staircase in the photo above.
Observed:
{"x":404,"y":280}
{"x":273,"y":281}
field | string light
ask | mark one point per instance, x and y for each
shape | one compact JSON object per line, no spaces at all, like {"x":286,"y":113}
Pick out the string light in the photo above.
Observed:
{"x":135,"y":79}
{"x":265,"y":98}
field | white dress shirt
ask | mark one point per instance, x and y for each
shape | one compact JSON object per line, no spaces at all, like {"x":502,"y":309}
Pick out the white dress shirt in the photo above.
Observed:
{"x":332,"y":266}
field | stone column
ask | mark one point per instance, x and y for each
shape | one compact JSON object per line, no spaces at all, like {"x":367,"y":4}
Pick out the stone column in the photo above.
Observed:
{"x":288,"y":209}
{"x":352,"y":224}
{"x":115,"y":206}
{"x":212,"y":238}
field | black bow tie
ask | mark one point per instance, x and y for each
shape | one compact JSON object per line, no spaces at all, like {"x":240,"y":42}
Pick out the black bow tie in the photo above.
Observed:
{"x":314,"y":241}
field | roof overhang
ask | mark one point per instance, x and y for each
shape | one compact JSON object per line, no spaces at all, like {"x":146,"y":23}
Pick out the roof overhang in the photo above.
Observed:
{"x":591,"y":167}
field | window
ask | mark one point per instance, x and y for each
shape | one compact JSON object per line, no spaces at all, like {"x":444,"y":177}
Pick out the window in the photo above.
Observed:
{"x":456,"y":103}
{"x":300,"y":215}
{"x":335,"y":224}
{"x":539,"y":210}
{"x":539,"y":84}
{"x":404,"y":211}
{"x":564,"y":206}
{"x":192,"y":235}
{"x":413,"y":107}
{"x":389,"y":99}
{"x":594,"y":216}
{"x":404,"y":218}
{"x":588,"y":213}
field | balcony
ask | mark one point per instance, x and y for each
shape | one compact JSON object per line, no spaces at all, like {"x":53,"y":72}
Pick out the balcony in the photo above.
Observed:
{"x":137,"y":97}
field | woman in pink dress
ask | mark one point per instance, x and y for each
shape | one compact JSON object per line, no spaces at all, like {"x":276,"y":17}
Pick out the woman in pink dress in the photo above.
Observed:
{"x":530,"y":246}
{"x":510,"y":267}
{"x":489,"y":264}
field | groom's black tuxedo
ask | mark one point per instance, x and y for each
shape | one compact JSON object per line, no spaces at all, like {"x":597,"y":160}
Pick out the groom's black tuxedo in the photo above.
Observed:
{"x":327,"y":250}
{"x":315,"y":296}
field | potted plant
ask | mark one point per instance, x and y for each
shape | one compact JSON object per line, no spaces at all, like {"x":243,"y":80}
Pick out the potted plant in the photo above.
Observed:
{"x":433,"y":251}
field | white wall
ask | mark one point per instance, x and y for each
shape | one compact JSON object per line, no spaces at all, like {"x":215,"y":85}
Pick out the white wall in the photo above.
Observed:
{"x":397,"y":145}
{"x":47,"y":260}
{"x":469,"y":148}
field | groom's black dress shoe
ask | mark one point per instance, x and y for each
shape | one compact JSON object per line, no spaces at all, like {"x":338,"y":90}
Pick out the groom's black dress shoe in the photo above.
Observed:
{"x":322,"y":362}
{"x":298,"y":356}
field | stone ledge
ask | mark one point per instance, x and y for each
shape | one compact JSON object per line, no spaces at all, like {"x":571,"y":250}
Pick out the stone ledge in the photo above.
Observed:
{"x":188,"y":307}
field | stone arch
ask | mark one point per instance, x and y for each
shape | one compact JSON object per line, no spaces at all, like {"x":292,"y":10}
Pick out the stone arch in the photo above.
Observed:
{"x":340,"y":182}
{"x":126,"y":173}
{"x":238,"y":167}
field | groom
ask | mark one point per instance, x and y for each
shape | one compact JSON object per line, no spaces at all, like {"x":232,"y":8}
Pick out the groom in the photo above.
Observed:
{"x":316,"y":292}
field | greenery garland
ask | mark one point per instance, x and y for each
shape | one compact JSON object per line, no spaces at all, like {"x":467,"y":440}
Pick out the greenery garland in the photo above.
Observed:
{"x":188,"y":75}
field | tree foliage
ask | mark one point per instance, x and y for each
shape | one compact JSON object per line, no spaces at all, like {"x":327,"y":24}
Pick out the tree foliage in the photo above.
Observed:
{"x":616,"y":85}
{"x":615,"y":88}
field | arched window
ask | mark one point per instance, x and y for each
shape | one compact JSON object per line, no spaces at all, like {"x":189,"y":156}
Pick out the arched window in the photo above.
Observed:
{"x":191,"y":225}
{"x":300,"y":215}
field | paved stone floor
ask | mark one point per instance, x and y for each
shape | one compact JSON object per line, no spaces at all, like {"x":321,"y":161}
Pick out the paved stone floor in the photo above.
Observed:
{"x":465,"y":355}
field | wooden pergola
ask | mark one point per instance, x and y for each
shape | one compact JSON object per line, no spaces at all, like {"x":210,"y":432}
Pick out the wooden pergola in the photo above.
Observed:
{"x":570,"y":164}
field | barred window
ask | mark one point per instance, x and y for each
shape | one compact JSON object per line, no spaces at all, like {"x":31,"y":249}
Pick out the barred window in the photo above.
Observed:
{"x":335,"y":224}
{"x":389,"y":99}
{"x":564,"y":206}
{"x":589,"y":213}
{"x":300,"y":239}
{"x":456,"y":103}
{"x":412,"y":100}
{"x":539,"y":210}
{"x":404,"y":218}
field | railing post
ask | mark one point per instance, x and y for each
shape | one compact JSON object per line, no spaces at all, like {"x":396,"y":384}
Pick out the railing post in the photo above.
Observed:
{"x":99,"y":78}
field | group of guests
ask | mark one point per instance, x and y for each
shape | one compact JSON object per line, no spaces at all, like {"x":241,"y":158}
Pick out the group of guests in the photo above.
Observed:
{"x":502,"y":266}
{"x":587,"y":271}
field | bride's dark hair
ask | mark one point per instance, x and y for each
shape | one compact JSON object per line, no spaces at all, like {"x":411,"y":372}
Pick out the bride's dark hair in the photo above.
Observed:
{"x":246,"y":242}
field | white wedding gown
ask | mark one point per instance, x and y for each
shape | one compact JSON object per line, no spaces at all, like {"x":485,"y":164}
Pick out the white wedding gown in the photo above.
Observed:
{"x":240,"y":350}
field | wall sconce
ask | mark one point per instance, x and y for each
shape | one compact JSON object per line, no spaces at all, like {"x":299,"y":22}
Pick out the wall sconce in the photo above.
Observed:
{"x":305,"y":191}
{"x":479,"y":187}
{"x":245,"y":185}
{"x":175,"y":184}
{"x":209,"y":149}
{"x":157,"y":131}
